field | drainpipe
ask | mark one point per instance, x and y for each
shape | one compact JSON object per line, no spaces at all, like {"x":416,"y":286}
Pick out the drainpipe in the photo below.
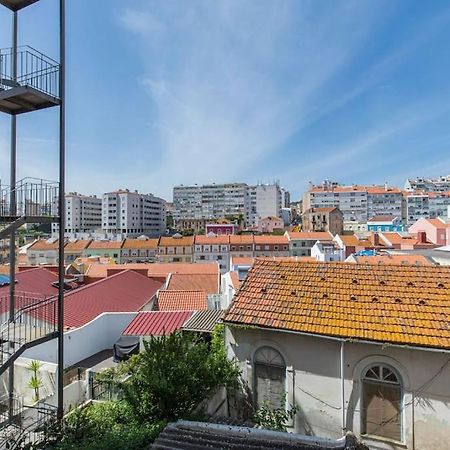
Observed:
{"x":343,"y":388}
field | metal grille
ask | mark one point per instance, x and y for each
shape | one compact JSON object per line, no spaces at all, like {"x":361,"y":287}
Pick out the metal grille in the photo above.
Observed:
{"x":34,"y":69}
{"x":29,"y":197}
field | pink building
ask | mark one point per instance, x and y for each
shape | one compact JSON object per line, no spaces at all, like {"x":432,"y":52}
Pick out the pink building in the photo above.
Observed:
{"x":220,"y":229}
{"x":437,"y":230}
{"x":269,"y":224}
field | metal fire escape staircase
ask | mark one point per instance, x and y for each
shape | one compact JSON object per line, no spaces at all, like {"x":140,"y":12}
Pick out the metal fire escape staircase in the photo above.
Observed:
{"x":33,"y":320}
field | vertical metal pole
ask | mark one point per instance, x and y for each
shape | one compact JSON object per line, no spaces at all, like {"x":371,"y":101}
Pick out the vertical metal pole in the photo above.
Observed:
{"x":342,"y":361}
{"x":61,"y":204}
{"x":12,"y":237}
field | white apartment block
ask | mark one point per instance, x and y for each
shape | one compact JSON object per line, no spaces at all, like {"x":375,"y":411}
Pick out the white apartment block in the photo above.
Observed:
{"x":357,"y":203}
{"x":440,"y":184}
{"x":426,"y":204}
{"x":209,"y":201}
{"x":130,"y":214}
{"x":215,"y":201}
{"x":83,"y":213}
{"x":264,"y":200}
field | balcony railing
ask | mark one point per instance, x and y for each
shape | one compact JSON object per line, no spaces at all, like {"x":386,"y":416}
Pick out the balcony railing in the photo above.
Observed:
{"x":29,"y":197}
{"x":34,"y":69}
{"x":33,"y":319}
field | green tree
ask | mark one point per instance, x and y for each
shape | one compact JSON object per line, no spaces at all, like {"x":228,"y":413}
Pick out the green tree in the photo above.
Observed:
{"x":174,"y":374}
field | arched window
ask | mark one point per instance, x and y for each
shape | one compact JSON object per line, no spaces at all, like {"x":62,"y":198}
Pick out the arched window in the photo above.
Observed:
{"x":382,"y":402}
{"x":270,"y":377}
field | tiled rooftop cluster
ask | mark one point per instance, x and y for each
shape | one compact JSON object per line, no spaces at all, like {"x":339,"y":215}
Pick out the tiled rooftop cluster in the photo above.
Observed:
{"x":397,"y":304}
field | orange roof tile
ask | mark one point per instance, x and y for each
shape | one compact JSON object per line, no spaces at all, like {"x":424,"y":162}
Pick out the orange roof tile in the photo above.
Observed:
{"x":414,"y":260}
{"x":140,"y":244}
{"x":104,"y":245}
{"x":310,"y":235}
{"x":156,"y":269}
{"x":271,"y":239}
{"x":208,"y":283}
{"x":239,"y":239}
{"x":235,"y":280}
{"x":395,"y":304}
{"x":212,"y":240}
{"x":75,"y":246}
{"x":182,"y":301}
{"x":185,"y":241}
{"x":43,"y":244}
{"x":242,"y":260}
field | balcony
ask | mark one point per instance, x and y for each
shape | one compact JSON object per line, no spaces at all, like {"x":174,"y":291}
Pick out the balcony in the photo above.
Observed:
{"x":36,"y":85}
{"x":31,"y":200}
{"x":16,"y":5}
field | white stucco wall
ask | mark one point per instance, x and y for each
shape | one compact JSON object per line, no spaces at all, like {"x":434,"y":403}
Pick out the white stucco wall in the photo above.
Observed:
{"x":97,"y":335}
{"x":313,"y":383}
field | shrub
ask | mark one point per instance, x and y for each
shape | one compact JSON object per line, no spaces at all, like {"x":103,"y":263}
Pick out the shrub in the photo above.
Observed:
{"x":274,"y":418}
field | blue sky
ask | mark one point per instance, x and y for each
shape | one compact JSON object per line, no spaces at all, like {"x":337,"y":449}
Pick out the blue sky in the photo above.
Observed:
{"x":164,"y":92}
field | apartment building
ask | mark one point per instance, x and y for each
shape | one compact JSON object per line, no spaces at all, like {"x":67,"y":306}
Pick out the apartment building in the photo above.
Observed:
{"x":83,"y":213}
{"x":215,"y":201}
{"x":139,"y":250}
{"x":301,"y":243}
{"x":104,"y":249}
{"x":131,"y":214}
{"x":74,"y":249}
{"x":440,"y":184}
{"x":357,"y":203}
{"x":176,"y":249}
{"x":426,"y":204}
{"x":211,"y":248}
{"x":264,"y":200}
{"x":43,"y":252}
{"x":209,"y":201}
{"x":323,"y":219}
{"x":270,"y":246}
{"x":242,"y":245}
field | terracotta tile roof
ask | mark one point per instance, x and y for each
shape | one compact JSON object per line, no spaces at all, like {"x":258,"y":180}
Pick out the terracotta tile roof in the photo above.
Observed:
{"x":126,"y":291}
{"x":208,"y":283}
{"x":185,"y":241}
{"x":235,"y":280}
{"x":212,"y":240}
{"x":103,"y":245}
{"x":43,"y":244}
{"x":140,"y":244}
{"x":321,"y":210}
{"x":156,"y":323}
{"x":182,"y":301}
{"x":155,"y":269}
{"x":414,"y":260}
{"x":74,"y":246}
{"x":397,"y":304}
{"x":242,"y":260}
{"x":438,"y":223}
{"x":241,"y":239}
{"x":271,"y":239}
{"x":381,"y":218}
{"x":310,"y":235}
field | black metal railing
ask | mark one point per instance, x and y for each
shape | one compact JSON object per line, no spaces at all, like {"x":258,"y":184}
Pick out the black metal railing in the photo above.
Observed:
{"x":34,"y":318}
{"x":34,"y":69}
{"x":29,"y":197}
{"x":32,"y":430}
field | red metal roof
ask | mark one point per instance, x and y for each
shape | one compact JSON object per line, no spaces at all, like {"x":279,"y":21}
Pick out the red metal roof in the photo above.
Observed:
{"x":31,"y":285}
{"x":157,"y":323}
{"x":126,"y":291}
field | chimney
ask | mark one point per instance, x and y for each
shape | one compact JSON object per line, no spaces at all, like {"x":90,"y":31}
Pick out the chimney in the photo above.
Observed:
{"x":422,"y":237}
{"x":376,"y":239}
{"x":386,"y":186}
